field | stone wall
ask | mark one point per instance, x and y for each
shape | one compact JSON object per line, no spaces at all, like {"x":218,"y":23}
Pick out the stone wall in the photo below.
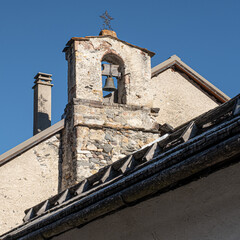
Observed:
{"x":97,"y":134}
{"x":85,"y":74}
{"x":178,"y":98}
{"x":27,"y":180}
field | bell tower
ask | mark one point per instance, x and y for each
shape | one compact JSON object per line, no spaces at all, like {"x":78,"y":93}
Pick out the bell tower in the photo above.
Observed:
{"x":97,"y":131}
{"x":85,"y":56}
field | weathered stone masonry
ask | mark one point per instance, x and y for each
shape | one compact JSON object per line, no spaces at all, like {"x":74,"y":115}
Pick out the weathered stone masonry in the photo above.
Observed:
{"x":96,"y":134}
{"x":84,"y":56}
{"x":97,"y":131}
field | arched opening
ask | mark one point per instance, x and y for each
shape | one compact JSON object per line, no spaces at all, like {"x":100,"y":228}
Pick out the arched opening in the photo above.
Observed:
{"x":113,"y":77}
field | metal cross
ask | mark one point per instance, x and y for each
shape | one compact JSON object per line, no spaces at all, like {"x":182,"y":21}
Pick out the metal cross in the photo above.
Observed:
{"x":107,"y":18}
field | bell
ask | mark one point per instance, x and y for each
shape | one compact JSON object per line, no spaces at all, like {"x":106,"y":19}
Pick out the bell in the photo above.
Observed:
{"x":109,"y":85}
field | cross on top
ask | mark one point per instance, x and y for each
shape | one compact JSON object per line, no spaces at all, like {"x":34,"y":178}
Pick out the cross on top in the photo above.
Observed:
{"x":107,"y":18}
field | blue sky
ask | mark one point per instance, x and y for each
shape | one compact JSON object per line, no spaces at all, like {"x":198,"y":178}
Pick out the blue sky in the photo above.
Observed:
{"x":204,"y":34}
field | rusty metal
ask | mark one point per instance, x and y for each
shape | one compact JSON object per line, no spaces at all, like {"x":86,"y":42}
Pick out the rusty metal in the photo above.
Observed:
{"x":107,"y":18}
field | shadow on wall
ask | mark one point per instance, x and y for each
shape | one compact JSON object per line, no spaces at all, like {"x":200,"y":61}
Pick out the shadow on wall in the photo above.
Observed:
{"x":43,"y":122}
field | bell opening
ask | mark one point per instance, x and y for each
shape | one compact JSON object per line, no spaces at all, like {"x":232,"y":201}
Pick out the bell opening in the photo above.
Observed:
{"x":113,"y":75}
{"x":109,"y":83}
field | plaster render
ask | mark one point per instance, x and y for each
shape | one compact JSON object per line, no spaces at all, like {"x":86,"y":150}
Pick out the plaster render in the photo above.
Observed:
{"x":27,"y":180}
{"x":201,"y":210}
{"x":178,"y":98}
{"x":176,"y":62}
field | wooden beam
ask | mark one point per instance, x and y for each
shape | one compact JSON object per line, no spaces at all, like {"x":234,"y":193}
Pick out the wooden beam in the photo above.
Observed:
{"x":110,"y":70}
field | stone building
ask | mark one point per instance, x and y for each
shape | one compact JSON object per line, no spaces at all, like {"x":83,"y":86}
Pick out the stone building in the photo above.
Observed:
{"x":106,"y":141}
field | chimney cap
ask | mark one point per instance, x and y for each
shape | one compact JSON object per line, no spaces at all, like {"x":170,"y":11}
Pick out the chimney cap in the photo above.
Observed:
{"x":43,"y":76}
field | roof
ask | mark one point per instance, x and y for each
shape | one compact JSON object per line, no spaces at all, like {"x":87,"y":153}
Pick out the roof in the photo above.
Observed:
{"x":87,"y":38}
{"x":193,"y":150}
{"x":24,"y":146}
{"x":175,"y":61}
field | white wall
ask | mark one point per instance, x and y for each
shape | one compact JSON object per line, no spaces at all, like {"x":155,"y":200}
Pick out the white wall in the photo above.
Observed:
{"x":27,"y":180}
{"x":178,"y":99}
